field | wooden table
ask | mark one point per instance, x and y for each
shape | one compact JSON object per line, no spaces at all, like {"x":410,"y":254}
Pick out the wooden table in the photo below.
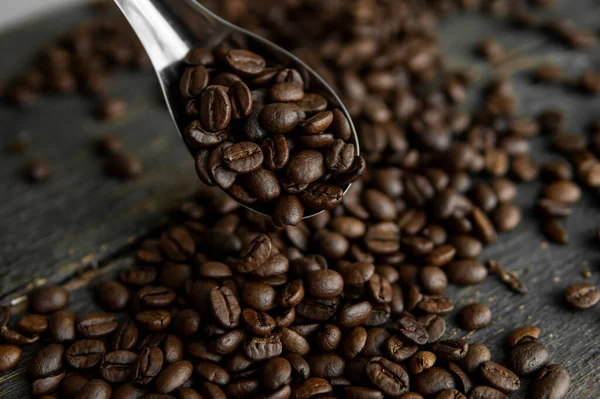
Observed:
{"x":81,"y":224}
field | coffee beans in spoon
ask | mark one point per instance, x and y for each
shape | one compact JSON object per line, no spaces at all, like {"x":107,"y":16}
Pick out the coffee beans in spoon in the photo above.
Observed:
{"x":258,"y":132}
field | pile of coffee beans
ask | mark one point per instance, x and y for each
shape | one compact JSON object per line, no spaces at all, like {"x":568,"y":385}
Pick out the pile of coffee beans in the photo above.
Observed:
{"x":226,"y":305}
{"x":257,"y":132}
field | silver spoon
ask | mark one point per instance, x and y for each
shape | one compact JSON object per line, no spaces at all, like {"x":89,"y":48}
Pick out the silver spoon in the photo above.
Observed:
{"x":169,"y":29}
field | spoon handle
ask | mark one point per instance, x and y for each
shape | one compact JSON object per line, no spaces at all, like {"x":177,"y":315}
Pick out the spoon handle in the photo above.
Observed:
{"x":152,"y":21}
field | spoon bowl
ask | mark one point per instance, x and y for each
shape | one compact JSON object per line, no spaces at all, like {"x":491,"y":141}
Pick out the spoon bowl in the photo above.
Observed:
{"x":169,"y":29}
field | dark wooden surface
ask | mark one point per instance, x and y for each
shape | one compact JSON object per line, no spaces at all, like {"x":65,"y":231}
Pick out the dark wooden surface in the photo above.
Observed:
{"x":81,"y":220}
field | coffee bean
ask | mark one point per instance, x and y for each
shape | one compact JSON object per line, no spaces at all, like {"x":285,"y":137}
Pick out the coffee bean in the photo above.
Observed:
{"x":47,"y":361}
{"x":112,"y":295}
{"x":441,"y":255}
{"x":15,"y":338}
{"x":551,"y":382}
{"x":582,"y":296}
{"x":138,"y":277}
{"x":485,"y":392}
{"x":311,"y":387}
{"x":173,"y":376}
{"x":177,"y":244}
{"x":562,"y":191}
{"x":286,"y":92}
{"x":225,"y":306}
{"x":262,"y":348}
{"x":95,"y":325}
{"x":118,"y":366}
{"x":499,"y":377}
{"x":275,"y":151}
{"x":410,"y":329}
{"x":241,"y":100}
{"x":466,"y":272}
{"x":433,"y":279}
{"x":193,"y":81}
{"x":215,"y":108}
{"x":124,"y":166}
{"x":113,"y":109}
{"x":49,"y":299}
{"x":259,"y":296}
{"x":154,"y":320}
{"x":325,"y":284}
{"x":355,"y":314}
{"x":128,"y":391}
{"x":148,"y":366}
{"x":326,"y":365}
{"x":506,"y":217}
{"x":243,"y":157}
{"x":10,"y":355}
{"x":432,"y":381}
{"x":353,"y":392}
{"x":434,"y":325}
{"x":33,"y":323}
{"x":43,"y":386}
{"x":195,"y":136}
{"x":421,"y":361}
{"x":391,"y":378}
{"x":435,"y":304}
{"x":279,"y":118}
{"x":245,"y":63}
{"x":466,"y":246}
{"x":452,"y":350}
{"x":474,"y":316}
{"x":555,"y":232}
{"x":287,"y":211}
{"x":527,"y":358}
{"x":475,"y":357}
{"x":85,"y":353}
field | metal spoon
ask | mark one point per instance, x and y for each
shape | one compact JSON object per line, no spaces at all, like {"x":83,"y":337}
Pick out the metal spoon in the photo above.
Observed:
{"x":169,"y":29}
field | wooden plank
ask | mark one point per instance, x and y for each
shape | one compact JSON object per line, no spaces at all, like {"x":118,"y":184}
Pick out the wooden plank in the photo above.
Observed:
{"x":81,"y":218}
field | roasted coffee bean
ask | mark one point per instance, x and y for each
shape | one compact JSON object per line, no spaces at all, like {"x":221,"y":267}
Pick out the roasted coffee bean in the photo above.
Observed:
{"x":555,"y":232}
{"x":410,"y":329}
{"x":200,"y":56}
{"x":354,"y":392}
{"x":304,"y":167}
{"x":286,"y":92}
{"x":10,"y":355}
{"x":467,"y":247}
{"x":33,"y":324}
{"x":264,"y":185}
{"x":435,"y":327}
{"x":259,"y":296}
{"x":244,"y":62}
{"x":49,"y":299}
{"x":324,"y":284}
{"x":433,"y":279}
{"x":552,"y":382}
{"x":383,"y":238}
{"x":85,"y":354}
{"x":95,"y":325}
{"x":326,"y":365}
{"x":193,"y":81}
{"x":293,"y":342}
{"x":563,"y":191}
{"x":435,"y":304}
{"x":275,"y":152}
{"x":474,"y":316}
{"x":128,"y":391}
{"x":521,"y":335}
{"x":421,"y":361}
{"x":322,"y":196}
{"x":476,"y":356}
{"x":156,"y":297}
{"x":44,"y":386}
{"x":441,"y":255}
{"x":173,"y":376}
{"x":138,"y":277}
{"x":118,"y":366}
{"x":527,"y":358}
{"x":15,"y":338}
{"x":195,"y":136}
{"x":124,"y":166}
{"x":391,"y":378}
{"x":432,"y":381}
{"x":243,"y":157}
{"x":262,"y":348}
{"x":483,"y":226}
{"x":279,"y":118}
{"x":47,"y":361}
{"x":311,"y":387}
{"x":499,"y":377}
{"x":112,"y":295}
{"x":113,"y":109}
{"x":215,"y":108}
{"x":485,"y":392}
{"x":177,"y":244}
{"x":254,"y":254}
{"x":172,"y":348}
{"x":506,"y":217}
{"x":224,"y":306}
{"x":466,"y":272}
{"x":125,"y":336}
{"x":96,"y":389}
{"x":149,"y":363}
{"x":452,"y":350}
{"x":355,"y":314}
{"x":241,"y":100}
{"x":154,"y":320}
{"x":582,"y":296}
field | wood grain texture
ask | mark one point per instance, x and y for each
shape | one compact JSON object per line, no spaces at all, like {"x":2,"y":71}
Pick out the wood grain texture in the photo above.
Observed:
{"x":81,"y":219}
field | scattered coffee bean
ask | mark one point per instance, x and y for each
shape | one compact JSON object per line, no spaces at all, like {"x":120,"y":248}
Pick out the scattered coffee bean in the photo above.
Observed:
{"x":582,"y":295}
{"x":474,"y":316}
